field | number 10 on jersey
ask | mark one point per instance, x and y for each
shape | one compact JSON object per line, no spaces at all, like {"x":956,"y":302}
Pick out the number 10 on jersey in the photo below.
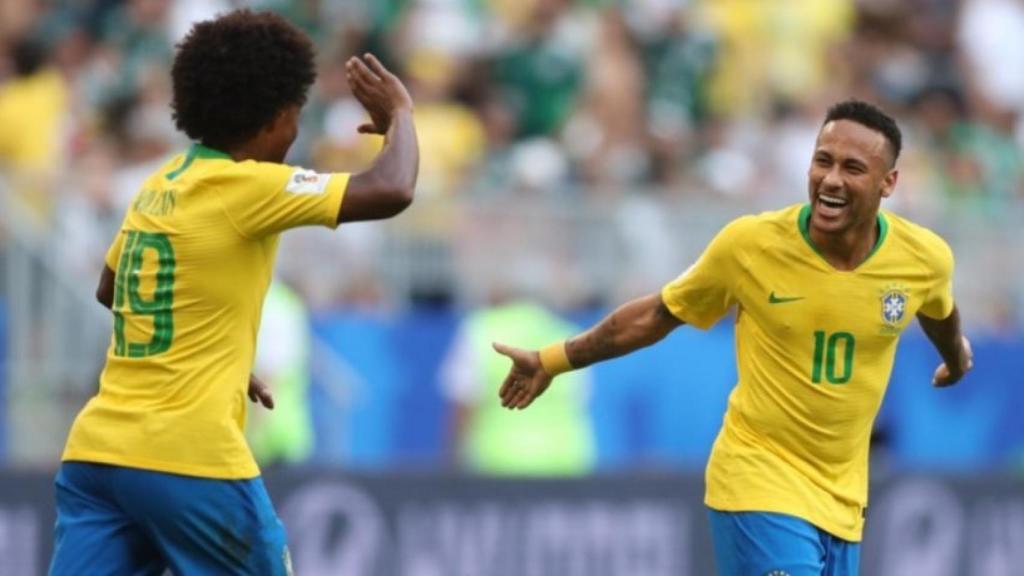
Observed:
{"x":827,"y":355}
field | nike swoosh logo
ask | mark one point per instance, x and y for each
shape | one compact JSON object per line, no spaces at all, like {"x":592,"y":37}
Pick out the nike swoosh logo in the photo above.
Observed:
{"x":773,"y":299}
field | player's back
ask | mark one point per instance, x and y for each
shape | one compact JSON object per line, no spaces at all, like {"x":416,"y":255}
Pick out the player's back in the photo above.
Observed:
{"x":192,"y":263}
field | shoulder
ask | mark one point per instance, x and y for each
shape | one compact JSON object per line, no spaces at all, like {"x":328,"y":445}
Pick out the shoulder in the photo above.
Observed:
{"x":227,"y":172}
{"x":919,"y":242}
{"x":916,"y":238}
{"x":156,"y":179}
{"x":169,"y":167}
{"x":251,"y":178}
{"x":765,"y":227}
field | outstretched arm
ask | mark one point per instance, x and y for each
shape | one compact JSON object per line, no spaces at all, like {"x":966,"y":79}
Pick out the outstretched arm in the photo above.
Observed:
{"x":952,"y":345}
{"x":386,"y":188}
{"x":634,"y":325}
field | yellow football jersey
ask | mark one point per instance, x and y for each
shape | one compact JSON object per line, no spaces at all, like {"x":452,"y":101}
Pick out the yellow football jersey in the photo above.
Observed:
{"x":193,"y":261}
{"x":814,"y":350}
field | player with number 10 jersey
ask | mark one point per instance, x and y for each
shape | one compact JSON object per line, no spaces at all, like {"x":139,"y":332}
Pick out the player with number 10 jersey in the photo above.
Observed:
{"x":814,"y":350}
{"x":822,"y":292}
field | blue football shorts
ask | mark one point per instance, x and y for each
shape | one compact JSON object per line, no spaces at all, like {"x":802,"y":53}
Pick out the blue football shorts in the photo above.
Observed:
{"x":115,"y":520}
{"x":770,"y":544}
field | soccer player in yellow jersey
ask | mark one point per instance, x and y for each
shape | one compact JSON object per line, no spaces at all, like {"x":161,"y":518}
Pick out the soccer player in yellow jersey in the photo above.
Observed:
{"x":156,"y":473}
{"x":822,"y":292}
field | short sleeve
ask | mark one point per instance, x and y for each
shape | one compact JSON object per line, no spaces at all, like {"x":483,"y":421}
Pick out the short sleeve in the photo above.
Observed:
{"x":263,"y":198}
{"x":939,"y":302}
{"x":114,"y":252}
{"x":704,"y":293}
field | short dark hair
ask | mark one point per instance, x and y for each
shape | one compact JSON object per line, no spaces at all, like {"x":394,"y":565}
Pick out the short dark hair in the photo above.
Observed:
{"x":871,"y":116}
{"x":233,"y":75}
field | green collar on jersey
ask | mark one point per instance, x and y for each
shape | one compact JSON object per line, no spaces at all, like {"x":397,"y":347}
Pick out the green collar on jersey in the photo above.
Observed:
{"x":196,"y":150}
{"x":200,"y":151}
{"x":804,"y":221}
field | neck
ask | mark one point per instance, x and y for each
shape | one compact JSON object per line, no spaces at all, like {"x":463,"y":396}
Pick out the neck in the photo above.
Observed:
{"x":847,"y":249}
{"x":246,"y":151}
{"x":252,"y":149}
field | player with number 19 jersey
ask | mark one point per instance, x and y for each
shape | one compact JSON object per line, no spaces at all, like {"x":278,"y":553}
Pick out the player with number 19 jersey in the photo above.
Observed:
{"x":815,"y":349}
{"x":193,"y":261}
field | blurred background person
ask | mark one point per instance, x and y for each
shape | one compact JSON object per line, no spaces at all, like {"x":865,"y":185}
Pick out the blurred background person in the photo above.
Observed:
{"x":33,"y":104}
{"x":284,"y":435}
{"x":486,"y":439}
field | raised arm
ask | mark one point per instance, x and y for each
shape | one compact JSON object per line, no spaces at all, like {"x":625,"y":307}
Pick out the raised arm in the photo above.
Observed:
{"x":386,"y":188}
{"x":634,"y":325}
{"x":952,"y":345}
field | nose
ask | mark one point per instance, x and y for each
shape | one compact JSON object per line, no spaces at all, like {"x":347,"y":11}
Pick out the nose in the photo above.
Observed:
{"x":832,"y":179}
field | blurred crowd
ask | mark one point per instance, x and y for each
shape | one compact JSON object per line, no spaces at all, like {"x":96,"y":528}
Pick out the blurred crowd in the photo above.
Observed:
{"x":578,"y":152}
{"x":573,"y":106}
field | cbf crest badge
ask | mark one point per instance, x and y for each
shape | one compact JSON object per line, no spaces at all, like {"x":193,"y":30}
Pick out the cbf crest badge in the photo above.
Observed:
{"x":894,"y":304}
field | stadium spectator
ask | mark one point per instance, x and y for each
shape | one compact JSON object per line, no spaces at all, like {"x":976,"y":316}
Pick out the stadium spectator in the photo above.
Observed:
{"x":33,"y":104}
{"x":485,"y":439}
{"x":284,"y":435}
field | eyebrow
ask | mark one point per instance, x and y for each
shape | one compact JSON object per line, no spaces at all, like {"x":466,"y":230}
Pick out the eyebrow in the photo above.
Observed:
{"x":819,"y":152}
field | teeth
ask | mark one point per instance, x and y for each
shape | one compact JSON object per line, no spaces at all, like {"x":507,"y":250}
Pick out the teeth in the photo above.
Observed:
{"x":832,"y":200}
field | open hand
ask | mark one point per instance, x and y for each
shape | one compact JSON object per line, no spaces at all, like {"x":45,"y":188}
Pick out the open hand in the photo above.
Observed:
{"x":946,"y":377}
{"x":378,"y":90}
{"x":260,"y":392}
{"x":526,"y":379}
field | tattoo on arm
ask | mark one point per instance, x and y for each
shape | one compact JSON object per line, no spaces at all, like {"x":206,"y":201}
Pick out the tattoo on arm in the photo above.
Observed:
{"x":593,"y":345}
{"x":635,"y":325}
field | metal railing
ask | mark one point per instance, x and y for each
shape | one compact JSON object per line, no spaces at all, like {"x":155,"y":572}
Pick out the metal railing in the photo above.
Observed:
{"x":572,"y":251}
{"x":57,"y":334}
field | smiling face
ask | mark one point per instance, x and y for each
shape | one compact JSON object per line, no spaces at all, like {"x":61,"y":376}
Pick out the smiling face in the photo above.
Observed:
{"x":851,"y":171}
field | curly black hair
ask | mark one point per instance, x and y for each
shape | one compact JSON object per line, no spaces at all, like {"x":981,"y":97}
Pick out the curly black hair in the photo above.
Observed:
{"x":233,"y":75}
{"x":870,"y":116}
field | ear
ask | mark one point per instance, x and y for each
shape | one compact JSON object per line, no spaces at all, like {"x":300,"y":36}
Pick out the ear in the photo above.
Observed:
{"x":284,"y":115}
{"x":889,"y":182}
{"x":275,"y":121}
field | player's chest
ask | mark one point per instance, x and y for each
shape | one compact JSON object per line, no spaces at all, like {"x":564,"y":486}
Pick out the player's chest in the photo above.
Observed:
{"x":802,"y":300}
